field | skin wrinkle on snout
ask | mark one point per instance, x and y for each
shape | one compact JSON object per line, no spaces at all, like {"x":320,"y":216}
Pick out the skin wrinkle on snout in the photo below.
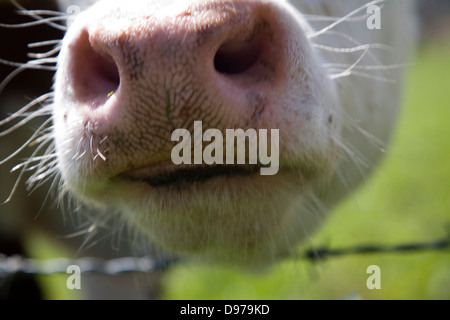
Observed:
{"x":128,"y":76}
{"x":149,"y":93}
{"x":145,"y":95}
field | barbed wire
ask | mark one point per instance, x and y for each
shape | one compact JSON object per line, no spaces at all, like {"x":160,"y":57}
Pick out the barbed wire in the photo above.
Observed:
{"x":18,"y":264}
{"x":320,"y":254}
{"x":10,"y":265}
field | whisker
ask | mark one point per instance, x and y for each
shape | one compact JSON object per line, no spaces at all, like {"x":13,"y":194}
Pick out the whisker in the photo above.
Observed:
{"x":42,"y":170}
{"x":367,"y":67}
{"x":89,"y":242}
{"x":18,"y":125}
{"x":359,"y":160}
{"x":30,"y":105}
{"x":46,"y":134}
{"x":38,"y":17}
{"x":39,"y":22}
{"x":32,"y":64}
{"x":349,"y":69}
{"x":43,"y":61}
{"x":21,"y":68}
{"x":91,"y":147}
{"x":20,"y":149}
{"x":101,"y":155}
{"x":354,"y":127}
{"x":32,"y":13}
{"x":372,"y":139}
{"x":42,"y":179}
{"x":24,"y":169}
{"x":367,"y":76}
{"x":81,"y":232}
{"x":44,"y":43}
{"x":353,"y":49}
{"x":29,"y":161}
{"x":52,"y":186}
{"x":321,"y":18}
{"x":344,"y":18}
{"x":39,"y":160}
{"x":50,"y":53}
{"x":354,"y":42}
{"x":43,"y":112}
{"x":80,"y":156}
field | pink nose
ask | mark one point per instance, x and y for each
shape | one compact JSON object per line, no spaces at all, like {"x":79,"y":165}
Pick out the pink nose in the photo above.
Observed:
{"x":205,"y":62}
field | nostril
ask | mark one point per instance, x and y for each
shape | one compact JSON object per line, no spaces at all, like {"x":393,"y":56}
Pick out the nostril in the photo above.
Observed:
{"x":106,"y":69}
{"x":235,"y":57}
{"x":95,"y":74}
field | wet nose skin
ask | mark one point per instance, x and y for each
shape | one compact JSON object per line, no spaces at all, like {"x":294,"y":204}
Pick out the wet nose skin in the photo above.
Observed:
{"x":212,"y":61}
{"x":140,"y":76}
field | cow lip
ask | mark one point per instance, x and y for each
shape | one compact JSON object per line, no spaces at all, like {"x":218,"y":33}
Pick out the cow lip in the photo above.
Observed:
{"x":166,"y":174}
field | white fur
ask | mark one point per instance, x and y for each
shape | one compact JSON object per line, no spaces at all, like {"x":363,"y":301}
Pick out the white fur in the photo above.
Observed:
{"x":334,"y":92}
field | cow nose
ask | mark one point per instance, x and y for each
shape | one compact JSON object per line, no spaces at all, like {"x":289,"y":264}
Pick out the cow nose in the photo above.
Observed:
{"x":222,"y":53}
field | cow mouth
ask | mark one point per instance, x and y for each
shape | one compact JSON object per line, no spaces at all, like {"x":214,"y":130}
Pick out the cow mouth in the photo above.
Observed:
{"x":168,"y":175}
